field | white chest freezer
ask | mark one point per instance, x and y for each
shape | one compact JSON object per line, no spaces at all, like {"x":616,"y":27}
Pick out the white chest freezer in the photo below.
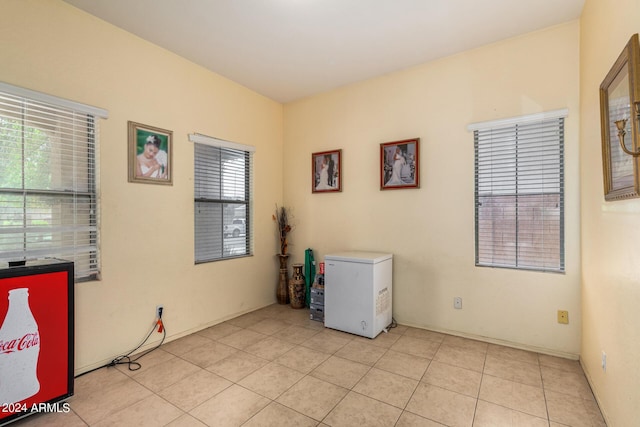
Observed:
{"x":358,"y":292}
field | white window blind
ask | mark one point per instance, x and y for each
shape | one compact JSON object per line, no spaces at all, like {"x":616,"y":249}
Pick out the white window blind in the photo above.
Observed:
{"x":519,"y":193}
{"x":222,"y":201}
{"x":48,"y":199}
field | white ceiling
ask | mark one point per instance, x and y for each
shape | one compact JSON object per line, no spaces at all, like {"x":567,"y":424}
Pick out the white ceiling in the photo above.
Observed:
{"x":289,"y":49}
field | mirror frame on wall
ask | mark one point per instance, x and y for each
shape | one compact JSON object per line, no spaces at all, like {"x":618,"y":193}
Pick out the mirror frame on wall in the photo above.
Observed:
{"x":619,"y":116}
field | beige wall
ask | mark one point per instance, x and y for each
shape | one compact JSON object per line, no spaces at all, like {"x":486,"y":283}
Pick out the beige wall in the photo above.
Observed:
{"x":610,"y":236}
{"x":147,"y":230}
{"x":430,"y":230}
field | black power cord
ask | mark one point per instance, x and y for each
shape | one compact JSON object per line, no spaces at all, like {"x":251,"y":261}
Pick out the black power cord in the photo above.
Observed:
{"x":125,"y":359}
{"x":393,"y":324}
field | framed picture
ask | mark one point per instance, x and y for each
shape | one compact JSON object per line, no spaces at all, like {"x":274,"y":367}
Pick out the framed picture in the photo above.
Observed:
{"x":150,"y":154}
{"x":326,"y":171}
{"x":400,"y":164}
{"x":619,"y":115}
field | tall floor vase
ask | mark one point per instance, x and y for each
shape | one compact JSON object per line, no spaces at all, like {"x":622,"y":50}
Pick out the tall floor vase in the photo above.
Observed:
{"x":296,"y":287}
{"x":282,"y":291}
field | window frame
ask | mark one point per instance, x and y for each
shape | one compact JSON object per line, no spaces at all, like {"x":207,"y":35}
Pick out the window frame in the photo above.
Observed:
{"x":203,"y":142}
{"x":538,"y":123}
{"x":43,"y":104}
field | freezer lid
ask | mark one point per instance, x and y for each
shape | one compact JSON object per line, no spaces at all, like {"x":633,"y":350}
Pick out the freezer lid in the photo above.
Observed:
{"x":362,"y":257}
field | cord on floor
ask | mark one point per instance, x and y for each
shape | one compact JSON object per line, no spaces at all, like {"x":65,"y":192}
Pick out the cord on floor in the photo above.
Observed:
{"x":126,"y":359}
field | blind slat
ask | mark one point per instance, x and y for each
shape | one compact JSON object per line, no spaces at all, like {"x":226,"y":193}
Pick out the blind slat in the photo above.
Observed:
{"x":222,"y":200}
{"x":519,"y":187}
{"x":48,"y":203}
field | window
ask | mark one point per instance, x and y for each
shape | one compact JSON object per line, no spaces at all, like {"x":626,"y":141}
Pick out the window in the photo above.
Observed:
{"x":48,"y":199}
{"x":222,"y":199}
{"x":519,"y":192}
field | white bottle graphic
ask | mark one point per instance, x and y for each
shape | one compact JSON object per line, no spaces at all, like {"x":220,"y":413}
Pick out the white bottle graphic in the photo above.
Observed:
{"x":19,"y":350}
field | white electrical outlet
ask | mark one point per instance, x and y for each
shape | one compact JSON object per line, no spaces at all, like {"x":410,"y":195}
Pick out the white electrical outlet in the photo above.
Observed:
{"x":604,"y":361}
{"x":457,"y":303}
{"x":158,"y":308}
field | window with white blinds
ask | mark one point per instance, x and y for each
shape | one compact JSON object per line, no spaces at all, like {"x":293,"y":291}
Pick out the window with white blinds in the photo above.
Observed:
{"x":222,"y":202}
{"x":48,"y":200}
{"x":519,"y":193}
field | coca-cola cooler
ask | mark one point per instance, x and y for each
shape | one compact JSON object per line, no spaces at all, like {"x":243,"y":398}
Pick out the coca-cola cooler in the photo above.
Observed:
{"x":36,"y":337}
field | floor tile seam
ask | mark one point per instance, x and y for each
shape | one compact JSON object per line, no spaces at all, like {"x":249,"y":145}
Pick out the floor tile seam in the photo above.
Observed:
{"x":475,"y":407}
{"x":378,"y":400}
{"x":187,"y":411}
{"x":240,"y":379}
{"x":576,"y":370}
{"x":262,"y":409}
{"x":77,"y":415}
{"x":134,"y":378}
{"x":300,"y":372}
{"x":296,"y":343}
{"x":131,"y":404}
{"x":271,"y":401}
{"x":243,"y":347}
{"x":551,"y":370}
{"x":514,"y":409}
{"x":514,"y":360}
{"x":352,"y":361}
{"x":444,"y":362}
{"x":336,"y":405}
{"x":271,"y":360}
{"x":309,"y":416}
{"x":514,"y":380}
{"x":546,"y":403}
{"x":317,"y":349}
{"x":182,"y":411}
{"x":283,"y":392}
{"x":511,"y":359}
{"x":449,"y":389}
{"x":548,"y":419}
{"x":517,"y":410}
{"x":287,"y":324}
{"x":461,"y":348}
{"x":421,"y":416}
{"x":201,"y":334}
{"x":202,"y":368}
{"x":385,"y":403}
{"x":348,"y":360}
{"x":226,"y":388}
{"x":578,"y":396}
{"x":157,"y":392}
{"x":401,"y":375}
{"x":424,"y":338}
{"x":376,"y":361}
{"x":456,"y":366}
{"x":117,"y":383}
{"x":217,"y":339}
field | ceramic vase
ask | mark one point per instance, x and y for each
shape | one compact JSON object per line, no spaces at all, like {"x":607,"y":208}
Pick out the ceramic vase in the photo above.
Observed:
{"x":297,"y":287}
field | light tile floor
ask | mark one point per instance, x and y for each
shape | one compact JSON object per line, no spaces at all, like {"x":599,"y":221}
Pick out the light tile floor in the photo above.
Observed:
{"x":275,"y":367}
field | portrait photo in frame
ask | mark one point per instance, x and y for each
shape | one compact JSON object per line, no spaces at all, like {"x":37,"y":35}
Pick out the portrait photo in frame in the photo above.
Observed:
{"x":326,"y":171}
{"x":400,"y":164}
{"x":619,"y":117}
{"x":150,"y":154}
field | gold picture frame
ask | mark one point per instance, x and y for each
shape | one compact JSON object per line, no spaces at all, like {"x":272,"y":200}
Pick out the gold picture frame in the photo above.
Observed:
{"x":150,"y":154}
{"x":619,"y":115}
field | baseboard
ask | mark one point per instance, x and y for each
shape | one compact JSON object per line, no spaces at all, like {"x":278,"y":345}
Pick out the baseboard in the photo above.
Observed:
{"x":595,"y":394}
{"x":168,"y":339}
{"x":519,"y":346}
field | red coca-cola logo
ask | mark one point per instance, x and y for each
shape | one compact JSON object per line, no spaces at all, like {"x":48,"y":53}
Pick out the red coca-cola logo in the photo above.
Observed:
{"x":18,"y":344}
